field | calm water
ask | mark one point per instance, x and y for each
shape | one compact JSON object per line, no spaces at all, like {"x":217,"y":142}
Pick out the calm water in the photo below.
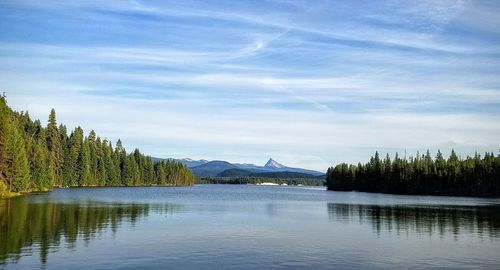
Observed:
{"x":246,"y":227}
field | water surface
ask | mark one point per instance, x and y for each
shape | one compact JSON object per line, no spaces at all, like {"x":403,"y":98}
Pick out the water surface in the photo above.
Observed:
{"x":246,"y":227}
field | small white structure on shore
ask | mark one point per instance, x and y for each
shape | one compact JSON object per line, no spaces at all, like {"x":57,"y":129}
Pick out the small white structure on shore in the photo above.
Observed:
{"x":267,"y":184}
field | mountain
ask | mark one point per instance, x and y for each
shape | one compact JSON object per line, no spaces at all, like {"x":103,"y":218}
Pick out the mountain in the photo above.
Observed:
{"x":281,"y":174}
{"x":212,"y":168}
{"x":191,"y":162}
{"x":285,"y":174}
{"x":204,"y":167}
{"x":274,"y":166}
{"x":271,"y":163}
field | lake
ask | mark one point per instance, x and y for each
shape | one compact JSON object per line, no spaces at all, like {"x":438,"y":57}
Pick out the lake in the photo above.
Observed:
{"x":246,"y":227}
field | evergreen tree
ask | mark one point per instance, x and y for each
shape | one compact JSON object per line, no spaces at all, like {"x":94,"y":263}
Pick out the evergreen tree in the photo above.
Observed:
{"x":62,"y":180}
{"x":43,"y":173}
{"x":94,"y":156}
{"x":112,"y":167}
{"x":73,"y":162}
{"x":55,"y":146}
{"x":51,"y":173}
{"x":4,"y":117}
{"x":131,"y":174}
{"x":149,"y":171}
{"x":102,"y":175}
{"x":160,"y":174}
{"x":119,"y":158}
{"x":84,"y":165}
{"x":15,"y":159}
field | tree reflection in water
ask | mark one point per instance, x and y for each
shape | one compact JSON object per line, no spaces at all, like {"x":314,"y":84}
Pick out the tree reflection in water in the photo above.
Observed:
{"x":442,"y":220}
{"x":47,"y":225}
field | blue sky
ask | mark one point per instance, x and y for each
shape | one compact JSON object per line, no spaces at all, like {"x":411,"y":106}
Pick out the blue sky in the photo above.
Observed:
{"x":309,"y":83}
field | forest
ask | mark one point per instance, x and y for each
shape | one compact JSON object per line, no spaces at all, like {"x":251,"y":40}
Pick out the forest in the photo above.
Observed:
{"x":36,"y":158}
{"x":422,"y":174}
{"x":243,"y":180}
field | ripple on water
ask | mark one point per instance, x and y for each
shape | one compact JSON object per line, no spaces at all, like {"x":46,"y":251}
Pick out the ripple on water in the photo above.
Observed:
{"x":246,"y":227}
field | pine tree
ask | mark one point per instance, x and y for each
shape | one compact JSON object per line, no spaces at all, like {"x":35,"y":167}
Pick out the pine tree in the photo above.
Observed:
{"x":84,"y":166}
{"x":4,"y":116}
{"x":73,"y":162}
{"x":54,"y":146}
{"x":63,"y":136}
{"x":15,"y":158}
{"x":119,"y":158}
{"x":453,"y":167}
{"x":138,"y":158}
{"x":102,"y":175}
{"x":149,"y":171}
{"x":131,"y":173}
{"x":160,"y":174}
{"x":93,"y":151}
{"x":51,"y":172}
{"x":112,"y":167}
{"x":40,"y":165}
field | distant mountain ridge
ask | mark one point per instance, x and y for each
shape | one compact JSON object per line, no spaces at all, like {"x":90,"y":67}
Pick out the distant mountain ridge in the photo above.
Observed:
{"x":212,"y":168}
{"x":192,"y":163}
{"x":281,"y":174}
{"x":204,"y":168}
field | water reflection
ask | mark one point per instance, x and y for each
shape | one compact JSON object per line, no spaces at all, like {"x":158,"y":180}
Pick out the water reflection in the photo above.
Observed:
{"x":46,"y":225}
{"x":430,"y":220}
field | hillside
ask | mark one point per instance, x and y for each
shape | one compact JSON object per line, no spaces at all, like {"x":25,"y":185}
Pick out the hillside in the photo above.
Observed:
{"x":212,"y":168}
{"x":283,"y":174}
{"x":204,"y":168}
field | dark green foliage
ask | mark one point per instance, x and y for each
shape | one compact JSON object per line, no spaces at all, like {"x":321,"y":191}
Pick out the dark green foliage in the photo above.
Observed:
{"x":94,"y":155}
{"x":85,"y":178}
{"x":248,"y":173}
{"x":131,"y":175}
{"x":172,"y":173}
{"x":111,"y":167}
{"x":285,"y":175}
{"x":55,"y":146}
{"x":234,"y":173}
{"x":14,"y":166}
{"x":242,"y":180}
{"x":41,"y":164}
{"x":34,"y":158}
{"x":73,"y":162}
{"x":472,"y":176}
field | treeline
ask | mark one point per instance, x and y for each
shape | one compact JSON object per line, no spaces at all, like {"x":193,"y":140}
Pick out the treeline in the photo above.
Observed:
{"x":36,"y":158}
{"x":422,"y":174}
{"x":242,"y":180}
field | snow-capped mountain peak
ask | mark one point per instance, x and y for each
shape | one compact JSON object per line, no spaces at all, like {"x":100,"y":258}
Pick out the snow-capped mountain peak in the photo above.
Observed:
{"x":271,"y":163}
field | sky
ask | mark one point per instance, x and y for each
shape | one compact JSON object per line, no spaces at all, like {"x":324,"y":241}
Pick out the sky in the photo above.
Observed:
{"x":308,"y":83}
